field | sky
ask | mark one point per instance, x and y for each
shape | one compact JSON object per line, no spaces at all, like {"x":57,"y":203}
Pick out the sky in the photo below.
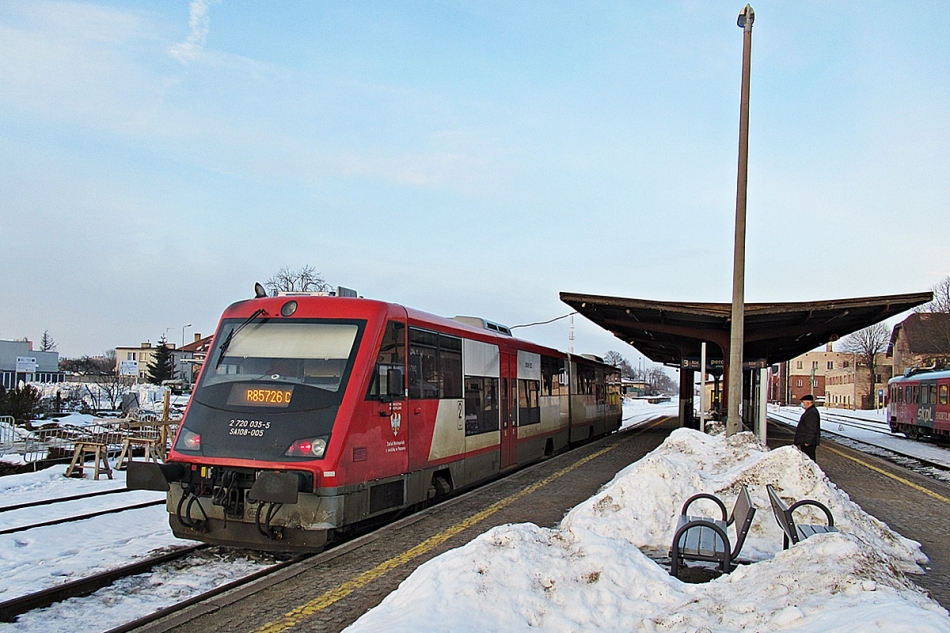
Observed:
{"x":157,"y":158}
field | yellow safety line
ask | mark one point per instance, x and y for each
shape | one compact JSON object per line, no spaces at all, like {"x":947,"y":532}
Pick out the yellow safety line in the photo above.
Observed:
{"x":916,"y":487}
{"x":296,"y":616}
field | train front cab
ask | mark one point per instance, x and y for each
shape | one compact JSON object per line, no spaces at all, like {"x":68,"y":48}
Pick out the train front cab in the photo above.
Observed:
{"x":429,"y":406}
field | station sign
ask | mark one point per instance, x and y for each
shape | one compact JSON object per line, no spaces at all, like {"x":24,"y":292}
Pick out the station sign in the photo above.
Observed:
{"x":25,"y":365}
{"x":718,"y":364}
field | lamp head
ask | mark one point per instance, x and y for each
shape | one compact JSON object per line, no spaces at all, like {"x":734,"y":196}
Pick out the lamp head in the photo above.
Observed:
{"x":746,"y":16}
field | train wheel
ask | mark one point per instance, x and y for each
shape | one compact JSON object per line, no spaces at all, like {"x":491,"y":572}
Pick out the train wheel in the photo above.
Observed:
{"x":912,"y":432}
{"x":438,"y":488}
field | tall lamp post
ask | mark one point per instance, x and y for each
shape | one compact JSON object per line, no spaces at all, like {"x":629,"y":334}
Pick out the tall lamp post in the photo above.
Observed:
{"x":736,"y":342}
{"x":183,"y":333}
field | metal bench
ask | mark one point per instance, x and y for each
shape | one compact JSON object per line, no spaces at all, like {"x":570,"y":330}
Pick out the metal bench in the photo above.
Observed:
{"x":795,"y":532}
{"x":706,"y":539}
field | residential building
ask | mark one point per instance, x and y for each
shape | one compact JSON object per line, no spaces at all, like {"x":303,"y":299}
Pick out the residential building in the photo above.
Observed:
{"x":920,"y":340}
{"x":807,"y":374}
{"x":188,"y":359}
{"x":134,"y":361}
{"x":848,"y":387}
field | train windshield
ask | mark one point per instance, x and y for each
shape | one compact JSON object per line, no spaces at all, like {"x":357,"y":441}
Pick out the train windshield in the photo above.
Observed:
{"x":314,"y":354}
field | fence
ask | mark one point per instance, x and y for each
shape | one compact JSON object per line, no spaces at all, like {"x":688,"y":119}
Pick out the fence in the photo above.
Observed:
{"x":56,"y":442}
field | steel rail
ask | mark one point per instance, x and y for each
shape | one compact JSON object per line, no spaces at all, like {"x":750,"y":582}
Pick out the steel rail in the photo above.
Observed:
{"x":81,"y":517}
{"x":881,"y":451}
{"x":46,"y":502}
{"x":10,"y":609}
{"x":234,"y":584}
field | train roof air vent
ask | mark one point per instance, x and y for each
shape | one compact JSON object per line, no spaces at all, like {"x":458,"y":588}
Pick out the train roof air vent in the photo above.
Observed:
{"x":483,"y":324}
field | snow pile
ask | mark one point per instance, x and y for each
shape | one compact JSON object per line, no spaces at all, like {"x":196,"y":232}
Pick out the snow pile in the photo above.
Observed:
{"x":592,"y":572}
{"x":643,"y":501}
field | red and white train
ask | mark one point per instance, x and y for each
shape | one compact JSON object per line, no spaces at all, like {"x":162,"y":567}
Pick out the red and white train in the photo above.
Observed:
{"x":918,"y":404}
{"x":315,"y":414}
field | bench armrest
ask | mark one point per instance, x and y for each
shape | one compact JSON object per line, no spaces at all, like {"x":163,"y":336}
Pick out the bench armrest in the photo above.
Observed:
{"x":817,"y":504}
{"x":703,"y":495}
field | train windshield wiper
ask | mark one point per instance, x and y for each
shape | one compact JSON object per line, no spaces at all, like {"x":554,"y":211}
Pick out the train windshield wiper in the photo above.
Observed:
{"x":230,"y":337}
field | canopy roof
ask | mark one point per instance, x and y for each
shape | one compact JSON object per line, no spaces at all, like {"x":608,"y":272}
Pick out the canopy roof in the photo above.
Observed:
{"x":672,"y":332}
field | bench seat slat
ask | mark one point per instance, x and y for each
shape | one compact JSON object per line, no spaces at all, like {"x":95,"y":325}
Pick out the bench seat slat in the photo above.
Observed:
{"x":806,"y":530}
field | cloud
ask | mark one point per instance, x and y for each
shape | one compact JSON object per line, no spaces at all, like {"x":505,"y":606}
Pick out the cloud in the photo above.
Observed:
{"x":200,"y":23}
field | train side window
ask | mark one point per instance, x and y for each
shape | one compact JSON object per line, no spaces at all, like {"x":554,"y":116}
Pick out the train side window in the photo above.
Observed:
{"x":435,"y":365}
{"x":529,"y":407}
{"x":933,"y":394}
{"x":450,"y":366}
{"x":390,"y":363}
{"x":916,"y":399}
{"x":481,"y":405}
{"x":551,"y":369}
{"x":586,"y":380}
{"x":943,"y":394}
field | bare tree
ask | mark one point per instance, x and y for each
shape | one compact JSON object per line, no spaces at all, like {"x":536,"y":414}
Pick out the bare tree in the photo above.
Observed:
{"x":306,"y":279}
{"x":47,"y":344}
{"x":866,"y":344}
{"x":621,"y":363}
{"x":102,"y":378}
{"x":941,"y":300}
{"x":936,"y":328}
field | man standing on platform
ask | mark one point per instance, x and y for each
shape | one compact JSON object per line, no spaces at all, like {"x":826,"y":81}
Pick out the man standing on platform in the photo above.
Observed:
{"x":809,"y":428}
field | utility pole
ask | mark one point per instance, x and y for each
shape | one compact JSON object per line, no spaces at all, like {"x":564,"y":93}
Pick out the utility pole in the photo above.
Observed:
{"x":736,"y":338}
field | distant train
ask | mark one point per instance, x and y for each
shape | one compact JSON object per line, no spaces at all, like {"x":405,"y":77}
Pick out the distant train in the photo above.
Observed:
{"x":918,"y":405}
{"x":316,"y":414}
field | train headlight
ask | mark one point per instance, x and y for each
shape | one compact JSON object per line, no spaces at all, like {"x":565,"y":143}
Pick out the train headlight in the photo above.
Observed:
{"x":310,"y":447}
{"x":189,"y":441}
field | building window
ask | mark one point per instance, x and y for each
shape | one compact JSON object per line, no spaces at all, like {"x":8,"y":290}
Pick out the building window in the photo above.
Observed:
{"x":831,"y":364}
{"x":798,"y":365}
{"x":814,"y":364}
{"x":846,"y":364}
{"x":799,"y":383}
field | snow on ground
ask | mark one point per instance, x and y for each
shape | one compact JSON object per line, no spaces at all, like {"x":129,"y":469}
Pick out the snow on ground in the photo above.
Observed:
{"x":47,"y":557}
{"x":593,"y":571}
{"x":866,"y":426}
{"x":639,"y":412}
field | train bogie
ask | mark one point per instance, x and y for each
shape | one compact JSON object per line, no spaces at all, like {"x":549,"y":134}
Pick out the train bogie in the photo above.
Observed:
{"x":313,"y":415}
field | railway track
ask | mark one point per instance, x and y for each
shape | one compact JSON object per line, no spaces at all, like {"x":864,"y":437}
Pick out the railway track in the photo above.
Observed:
{"x":80,"y":517}
{"x":53,"y":501}
{"x":10,"y":609}
{"x":922,"y":465}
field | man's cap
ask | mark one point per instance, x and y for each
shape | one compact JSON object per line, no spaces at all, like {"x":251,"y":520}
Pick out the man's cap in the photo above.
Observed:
{"x":809,"y":398}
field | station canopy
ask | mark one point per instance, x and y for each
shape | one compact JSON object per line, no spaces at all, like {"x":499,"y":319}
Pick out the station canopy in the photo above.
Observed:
{"x":673,"y":332}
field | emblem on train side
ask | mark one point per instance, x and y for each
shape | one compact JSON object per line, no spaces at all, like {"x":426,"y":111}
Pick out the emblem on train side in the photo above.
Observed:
{"x":395,"y":420}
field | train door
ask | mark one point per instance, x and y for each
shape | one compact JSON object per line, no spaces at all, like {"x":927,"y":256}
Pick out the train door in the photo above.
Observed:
{"x":509,"y":410}
{"x":386,"y":418}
